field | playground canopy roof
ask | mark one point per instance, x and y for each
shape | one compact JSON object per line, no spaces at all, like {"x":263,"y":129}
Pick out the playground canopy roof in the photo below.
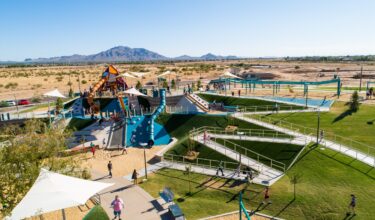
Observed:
{"x":138,"y":74}
{"x":167,"y":73}
{"x":54,"y":93}
{"x":127,"y":75}
{"x":52,"y":191}
{"x":229,"y":75}
{"x":133,"y":91}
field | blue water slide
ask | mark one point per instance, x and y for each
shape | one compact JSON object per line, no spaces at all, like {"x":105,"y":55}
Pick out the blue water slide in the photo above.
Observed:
{"x":155,"y":115}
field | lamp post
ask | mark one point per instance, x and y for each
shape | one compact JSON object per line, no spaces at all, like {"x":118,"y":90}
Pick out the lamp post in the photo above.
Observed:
{"x":318,"y":128}
{"x":144,"y":157}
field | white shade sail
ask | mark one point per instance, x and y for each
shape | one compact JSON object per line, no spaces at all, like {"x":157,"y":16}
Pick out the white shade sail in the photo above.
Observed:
{"x":229,"y":75}
{"x":133,"y":91}
{"x":52,"y":191}
{"x":139,"y":74}
{"x":54,"y":93}
{"x":127,"y":75}
{"x":166,"y":73}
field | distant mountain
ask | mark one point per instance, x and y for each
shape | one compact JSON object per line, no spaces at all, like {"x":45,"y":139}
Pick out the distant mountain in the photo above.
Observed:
{"x":208,"y":56}
{"x":121,"y":53}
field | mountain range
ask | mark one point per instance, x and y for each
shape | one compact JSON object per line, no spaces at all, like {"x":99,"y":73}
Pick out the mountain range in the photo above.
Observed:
{"x":122,"y":53}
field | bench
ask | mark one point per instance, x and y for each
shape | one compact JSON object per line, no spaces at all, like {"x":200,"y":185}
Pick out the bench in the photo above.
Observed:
{"x":176,"y":212}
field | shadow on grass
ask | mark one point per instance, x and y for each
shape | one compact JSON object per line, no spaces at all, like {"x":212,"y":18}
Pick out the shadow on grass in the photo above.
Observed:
{"x":284,"y":208}
{"x":343,"y":115}
{"x":349,"y":163}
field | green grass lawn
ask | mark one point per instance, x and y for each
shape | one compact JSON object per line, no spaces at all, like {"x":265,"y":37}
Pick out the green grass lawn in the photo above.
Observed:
{"x":281,"y":152}
{"x":241,"y":102}
{"x":358,"y":126}
{"x":327,"y":180}
{"x":96,"y":213}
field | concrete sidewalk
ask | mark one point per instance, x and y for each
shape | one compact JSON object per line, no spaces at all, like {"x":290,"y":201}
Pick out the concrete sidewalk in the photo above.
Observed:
{"x":138,"y":203}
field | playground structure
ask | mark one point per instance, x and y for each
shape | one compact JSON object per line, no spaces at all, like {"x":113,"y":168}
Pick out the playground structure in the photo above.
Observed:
{"x":227,"y":84}
{"x":111,"y":81}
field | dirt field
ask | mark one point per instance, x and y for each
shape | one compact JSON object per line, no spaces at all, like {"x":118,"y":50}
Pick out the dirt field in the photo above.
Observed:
{"x":28,"y":82}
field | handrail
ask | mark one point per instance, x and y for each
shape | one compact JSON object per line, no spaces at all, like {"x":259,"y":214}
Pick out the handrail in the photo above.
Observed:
{"x":202,"y":162}
{"x":242,"y":132}
{"x":233,"y":146}
{"x":340,"y":140}
{"x":261,"y":108}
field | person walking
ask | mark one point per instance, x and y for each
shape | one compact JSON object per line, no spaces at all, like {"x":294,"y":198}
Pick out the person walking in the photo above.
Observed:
{"x":220,"y":169}
{"x":352,"y":204}
{"x":117,"y":205}
{"x":92,"y":149}
{"x":103,"y":142}
{"x":267,"y":196}
{"x":135,"y":177}
{"x":124,"y":150}
{"x":109,"y":166}
{"x":239,"y":93}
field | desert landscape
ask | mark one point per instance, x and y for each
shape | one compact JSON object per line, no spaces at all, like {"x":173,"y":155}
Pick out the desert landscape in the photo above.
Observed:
{"x":32,"y":81}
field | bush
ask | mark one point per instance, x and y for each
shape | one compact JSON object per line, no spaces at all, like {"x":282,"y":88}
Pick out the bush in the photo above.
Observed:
{"x":139,"y":85}
{"x":4,"y":104}
{"x":71,"y":93}
{"x":83,"y":81}
{"x":36,"y":99}
{"x":11,"y":85}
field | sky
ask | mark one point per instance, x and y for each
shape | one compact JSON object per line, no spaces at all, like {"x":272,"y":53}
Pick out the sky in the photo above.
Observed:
{"x":246,"y":28}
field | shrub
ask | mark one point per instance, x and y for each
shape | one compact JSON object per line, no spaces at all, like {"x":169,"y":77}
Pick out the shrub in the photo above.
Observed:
{"x":4,"y":104}
{"x":139,"y":85}
{"x":11,"y":85}
{"x":83,"y":81}
{"x":36,"y":99}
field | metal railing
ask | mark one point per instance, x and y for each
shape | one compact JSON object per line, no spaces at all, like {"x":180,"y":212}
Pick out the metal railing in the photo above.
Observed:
{"x":328,"y":139}
{"x":270,"y":108}
{"x":202,"y":162}
{"x":230,"y":147}
{"x":242,"y":132}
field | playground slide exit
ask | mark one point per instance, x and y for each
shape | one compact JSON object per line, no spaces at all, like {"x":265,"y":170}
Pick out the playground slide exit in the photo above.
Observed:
{"x":155,"y":115}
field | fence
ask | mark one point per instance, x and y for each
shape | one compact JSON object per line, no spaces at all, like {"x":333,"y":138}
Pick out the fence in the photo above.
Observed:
{"x":238,"y":149}
{"x":328,"y":139}
{"x":271,"y":108}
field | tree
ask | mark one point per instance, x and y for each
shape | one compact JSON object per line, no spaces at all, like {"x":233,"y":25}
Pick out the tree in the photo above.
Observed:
{"x":139,"y":85}
{"x":354,"y":102}
{"x":295,"y":179}
{"x":187,"y":172}
{"x":165,"y":84}
{"x":173,"y":84}
{"x":193,"y":87}
{"x":59,"y":104}
{"x":71,"y":93}
{"x":199,"y":84}
{"x":30,"y":148}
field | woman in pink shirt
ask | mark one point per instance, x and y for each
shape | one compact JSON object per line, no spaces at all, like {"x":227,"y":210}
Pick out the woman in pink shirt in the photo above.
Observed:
{"x":117,"y":206}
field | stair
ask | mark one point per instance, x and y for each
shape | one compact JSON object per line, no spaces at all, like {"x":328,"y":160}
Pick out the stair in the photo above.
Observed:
{"x":266,"y":173}
{"x":201,"y":103}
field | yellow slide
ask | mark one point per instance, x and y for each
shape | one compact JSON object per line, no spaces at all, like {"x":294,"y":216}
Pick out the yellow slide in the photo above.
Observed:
{"x":90,"y":98}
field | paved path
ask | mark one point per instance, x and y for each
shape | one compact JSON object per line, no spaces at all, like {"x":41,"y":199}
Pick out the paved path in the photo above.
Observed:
{"x":367,"y":159}
{"x":138,"y":203}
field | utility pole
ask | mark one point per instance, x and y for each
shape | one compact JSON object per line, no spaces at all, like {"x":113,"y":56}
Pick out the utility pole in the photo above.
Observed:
{"x":360,"y":79}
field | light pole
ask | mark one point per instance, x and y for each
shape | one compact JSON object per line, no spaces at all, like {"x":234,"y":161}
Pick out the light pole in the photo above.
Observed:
{"x":318,"y":128}
{"x":144,"y":157}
